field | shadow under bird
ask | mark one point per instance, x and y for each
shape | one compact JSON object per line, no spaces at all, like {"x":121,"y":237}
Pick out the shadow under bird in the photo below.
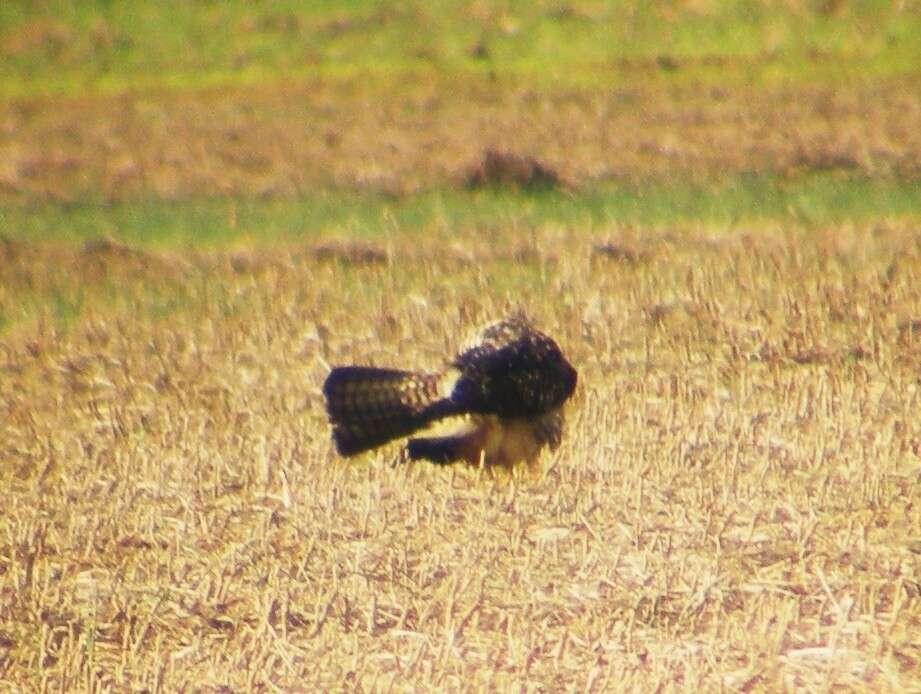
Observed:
{"x":508,"y":387}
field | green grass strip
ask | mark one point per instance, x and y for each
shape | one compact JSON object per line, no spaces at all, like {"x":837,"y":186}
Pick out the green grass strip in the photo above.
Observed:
{"x":806,"y":201}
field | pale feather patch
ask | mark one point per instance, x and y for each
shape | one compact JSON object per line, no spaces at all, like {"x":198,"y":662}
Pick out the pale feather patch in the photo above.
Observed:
{"x":459,"y":425}
{"x":448,"y":382}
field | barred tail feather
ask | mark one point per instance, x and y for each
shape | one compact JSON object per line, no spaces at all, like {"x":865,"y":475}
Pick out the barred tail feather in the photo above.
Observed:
{"x":369,"y":407}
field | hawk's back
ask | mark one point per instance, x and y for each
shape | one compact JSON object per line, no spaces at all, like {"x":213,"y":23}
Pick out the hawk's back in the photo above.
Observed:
{"x":512,"y":370}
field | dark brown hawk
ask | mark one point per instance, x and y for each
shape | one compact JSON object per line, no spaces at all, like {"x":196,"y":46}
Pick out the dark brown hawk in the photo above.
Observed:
{"x":509,"y":386}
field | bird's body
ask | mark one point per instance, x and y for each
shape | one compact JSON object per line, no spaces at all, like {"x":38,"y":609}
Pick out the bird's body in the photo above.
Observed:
{"x":509,"y":386}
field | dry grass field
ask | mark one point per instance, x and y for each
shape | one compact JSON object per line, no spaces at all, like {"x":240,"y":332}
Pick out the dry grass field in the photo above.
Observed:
{"x":285,"y":142}
{"x":202,"y":210}
{"x":735,"y":504}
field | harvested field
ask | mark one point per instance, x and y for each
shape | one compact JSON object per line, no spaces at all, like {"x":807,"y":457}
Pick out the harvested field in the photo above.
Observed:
{"x":735,"y":503}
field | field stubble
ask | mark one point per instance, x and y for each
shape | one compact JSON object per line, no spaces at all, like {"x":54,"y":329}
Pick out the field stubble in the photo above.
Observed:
{"x":735,"y":503}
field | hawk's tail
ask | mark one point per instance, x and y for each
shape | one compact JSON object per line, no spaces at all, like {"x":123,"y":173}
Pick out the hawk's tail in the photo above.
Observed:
{"x":369,"y":407}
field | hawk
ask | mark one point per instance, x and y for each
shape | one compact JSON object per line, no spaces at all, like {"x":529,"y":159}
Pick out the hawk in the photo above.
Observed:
{"x":509,"y":386}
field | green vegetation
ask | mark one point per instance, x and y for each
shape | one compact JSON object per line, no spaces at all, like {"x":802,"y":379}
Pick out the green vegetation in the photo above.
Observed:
{"x":803,"y":202}
{"x":67,"y":47}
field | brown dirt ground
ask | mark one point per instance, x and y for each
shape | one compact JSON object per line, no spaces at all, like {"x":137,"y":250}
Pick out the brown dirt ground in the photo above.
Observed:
{"x":282,"y":141}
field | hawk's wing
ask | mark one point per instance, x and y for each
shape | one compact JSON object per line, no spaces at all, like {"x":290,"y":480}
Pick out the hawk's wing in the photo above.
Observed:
{"x":512,"y":371}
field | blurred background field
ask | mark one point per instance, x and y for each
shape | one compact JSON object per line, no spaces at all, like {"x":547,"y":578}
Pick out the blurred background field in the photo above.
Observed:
{"x":136,"y":103}
{"x":231,"y":124}
{"x":69,"y":47}
{"x":716,"y":209}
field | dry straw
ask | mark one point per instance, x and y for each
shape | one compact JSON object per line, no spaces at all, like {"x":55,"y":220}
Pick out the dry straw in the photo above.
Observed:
{"x":735,"y":504}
